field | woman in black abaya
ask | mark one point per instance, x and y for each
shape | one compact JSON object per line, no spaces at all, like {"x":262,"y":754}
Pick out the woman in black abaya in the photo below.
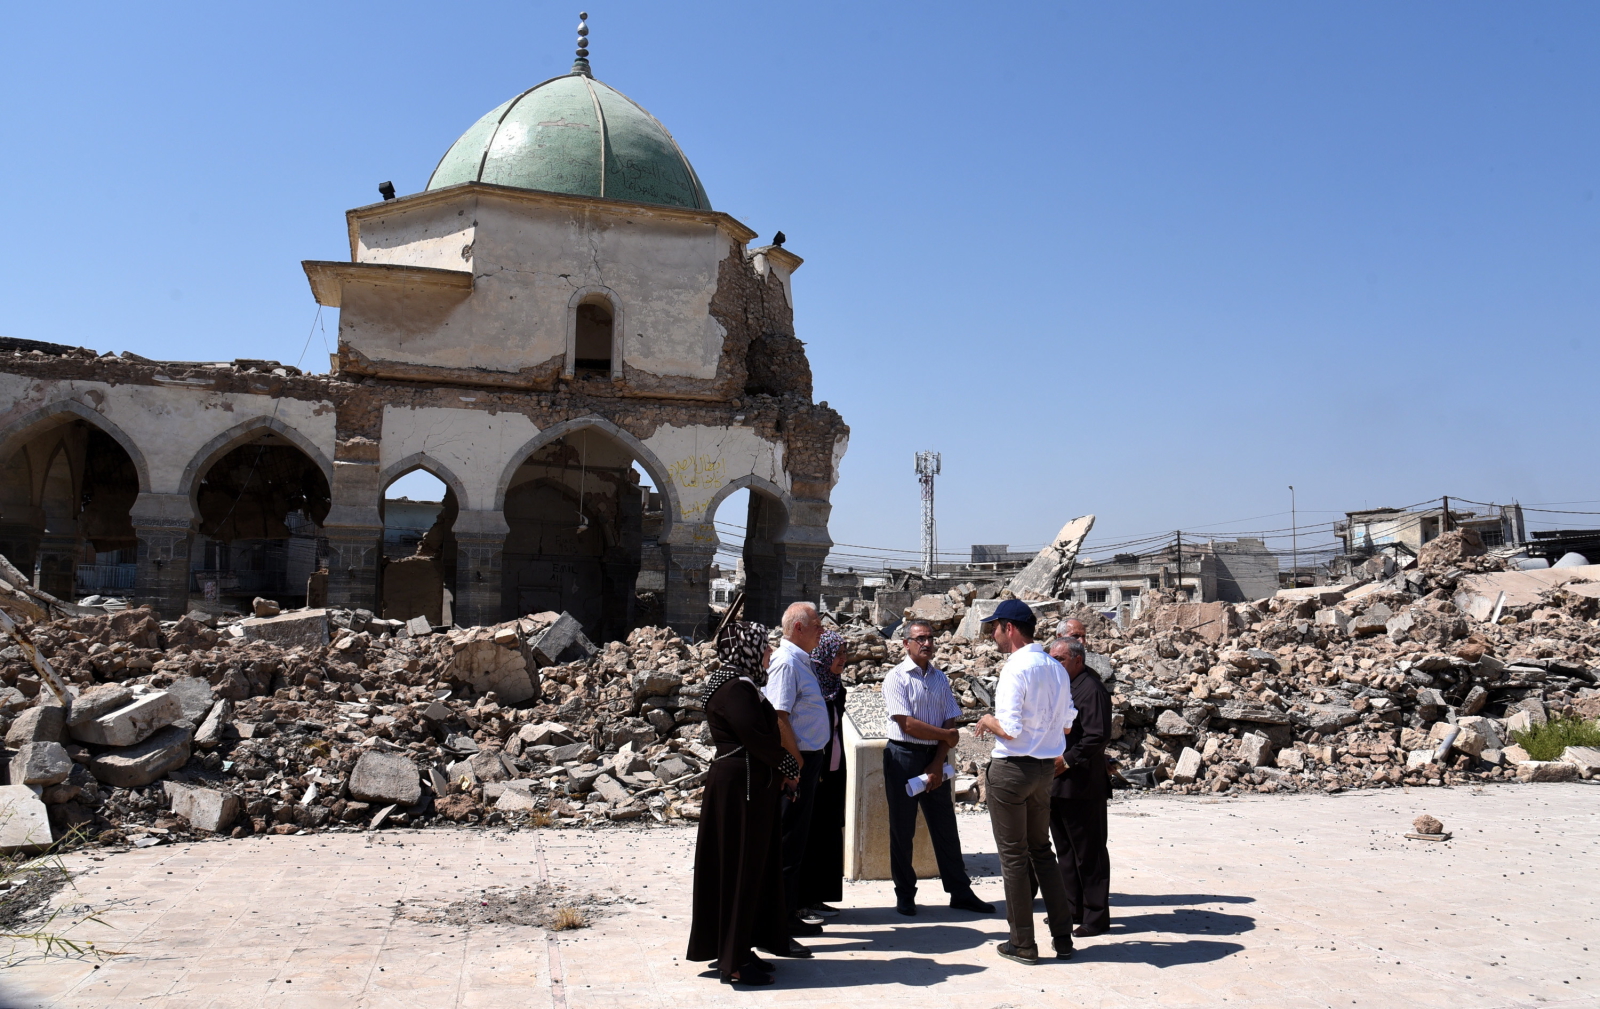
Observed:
{"x":738,"y":871}
{"x":822,"y":871}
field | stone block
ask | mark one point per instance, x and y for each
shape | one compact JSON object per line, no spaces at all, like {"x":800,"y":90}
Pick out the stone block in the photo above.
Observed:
{"x":1546,"y":770}
{"x":419,"y":627}
{"x":1514,"y":754}
{"x":43,"y":723}
{"x":97,"y":701}
{"x":1488,"y":728}
{"x":40,"y":764}
{"x":515,"y":801}
{"x":1291,"y":760}
{"x":1368,"y":625}
{"x":297,"y":628}
{"x":24,"y":821}
{"x":1188,"y":768}
{"x":487,"y":765}
{"x":138,"y":765}
{"x":1419,"y":758}
{"x":581,"y":752}
{"x":386,"y":778}
{"x":262,"y":607}
{"x":194,"y":697}
{"x":1585,"y":758}
{"x":1474,"y":701}
{"x":1172,"y":724}
{"x":133,"y":723}
{"x":611,"y":790}
{"x":462,"y":771}
{"x":215,"y":724}
{"x":661,"y":719}
{"x":1469,"y":742}
{"x":628,"y":762}
{"x":562,"y":641}
{"x":546,"y":734}
{"x":654,"y":683}
{"x":487,"y":666}
{"x":1519,"y":721}
{"x":205,"y":808}
{"x":1255,"y":750}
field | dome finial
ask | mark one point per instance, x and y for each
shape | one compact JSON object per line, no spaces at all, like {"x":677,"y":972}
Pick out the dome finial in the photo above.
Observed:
{"x":581,"y":64}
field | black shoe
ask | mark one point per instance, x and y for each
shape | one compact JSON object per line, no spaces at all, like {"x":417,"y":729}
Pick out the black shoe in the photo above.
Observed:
{"x":799,"y":927}
{"x":906,"y":906}
{"x":810,"y":916}
{"x":1028,"y":956}
{"x":750,"y":976}
{"x":969,"y":902}
{"x":794,"y":951}
{"x":823,"y":909}
{"x":1084,"y":931}
{"x":1063,"y":948}
{"x":760,"y":964}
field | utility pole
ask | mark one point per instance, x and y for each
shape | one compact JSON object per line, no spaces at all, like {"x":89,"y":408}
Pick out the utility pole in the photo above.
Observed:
{"x":1294,"y":531}
{"x":1178,"y":585}
{"x":927,"y":469}
{"x":1444,"y":526}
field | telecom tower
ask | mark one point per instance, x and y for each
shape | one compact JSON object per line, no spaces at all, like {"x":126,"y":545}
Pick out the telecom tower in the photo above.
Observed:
{"x":927,"y":469}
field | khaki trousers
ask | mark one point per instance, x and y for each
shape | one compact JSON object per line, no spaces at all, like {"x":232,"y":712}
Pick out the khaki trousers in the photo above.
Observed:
{"x":1019,"y":811}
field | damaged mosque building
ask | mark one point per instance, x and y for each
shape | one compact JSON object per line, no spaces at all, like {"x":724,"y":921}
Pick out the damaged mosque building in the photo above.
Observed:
{"x":559,"y":328}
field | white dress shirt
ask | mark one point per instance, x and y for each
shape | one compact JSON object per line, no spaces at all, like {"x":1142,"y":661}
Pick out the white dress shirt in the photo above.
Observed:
{"x":925,"y":696}
{"x":1033,"y":704}
{"x":792,"y":688}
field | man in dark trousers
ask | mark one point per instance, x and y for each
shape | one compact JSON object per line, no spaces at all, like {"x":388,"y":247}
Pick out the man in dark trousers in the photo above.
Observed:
{"x":1079,"y":793}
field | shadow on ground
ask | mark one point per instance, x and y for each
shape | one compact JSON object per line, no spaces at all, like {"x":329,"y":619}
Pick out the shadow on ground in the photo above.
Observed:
{"x":1157,"y":954}
{"x":1171,"y":899}
{"x":916,"y":972}
{"x":1184,"y":921}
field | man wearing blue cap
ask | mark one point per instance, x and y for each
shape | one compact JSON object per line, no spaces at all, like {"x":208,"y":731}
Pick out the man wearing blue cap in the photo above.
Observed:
{"x":1033,"y":712}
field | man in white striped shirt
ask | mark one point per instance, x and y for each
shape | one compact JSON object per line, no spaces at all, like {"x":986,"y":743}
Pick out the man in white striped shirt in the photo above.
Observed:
{"x":1033,"y":713}
{"x":922,"y":714}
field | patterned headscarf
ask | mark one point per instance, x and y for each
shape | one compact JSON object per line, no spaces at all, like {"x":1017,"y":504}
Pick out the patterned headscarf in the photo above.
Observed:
{"x":822,"y":656}
{"x":740,"y":647}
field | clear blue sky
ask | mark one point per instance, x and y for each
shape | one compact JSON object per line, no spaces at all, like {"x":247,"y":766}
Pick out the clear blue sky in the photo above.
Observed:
{"x":1153,"y":261}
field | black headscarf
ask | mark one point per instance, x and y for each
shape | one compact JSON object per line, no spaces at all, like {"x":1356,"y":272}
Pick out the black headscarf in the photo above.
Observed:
{"x":740,"y":646}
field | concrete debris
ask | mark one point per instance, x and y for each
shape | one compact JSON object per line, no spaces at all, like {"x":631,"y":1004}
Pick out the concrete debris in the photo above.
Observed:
{"x":24,"y":821}
{"x":1047,"y":574}
{"x":1426,"y":824}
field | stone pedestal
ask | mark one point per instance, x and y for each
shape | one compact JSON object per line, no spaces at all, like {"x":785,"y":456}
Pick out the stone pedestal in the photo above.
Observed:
{"x":480,"y":545}
{"x":686,"y":606}
{"x":866,"y":807}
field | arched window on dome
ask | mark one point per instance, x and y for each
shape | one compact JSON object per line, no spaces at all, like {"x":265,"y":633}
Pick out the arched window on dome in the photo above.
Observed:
{"x":593,"y":324}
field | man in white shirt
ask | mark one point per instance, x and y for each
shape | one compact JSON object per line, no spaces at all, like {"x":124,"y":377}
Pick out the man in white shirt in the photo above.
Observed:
{"x":1033,"y":712}
{"x":803,"y":724}
{"x":922,"y":712}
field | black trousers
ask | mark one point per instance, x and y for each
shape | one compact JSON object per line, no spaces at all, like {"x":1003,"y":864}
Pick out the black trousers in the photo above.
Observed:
{"x":901,"y":763}
{"x":796,"y":813}
{"x":1079,"y":829}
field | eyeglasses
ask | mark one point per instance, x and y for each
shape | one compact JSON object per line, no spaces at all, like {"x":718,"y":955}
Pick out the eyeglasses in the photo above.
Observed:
{"x":925,"y":640}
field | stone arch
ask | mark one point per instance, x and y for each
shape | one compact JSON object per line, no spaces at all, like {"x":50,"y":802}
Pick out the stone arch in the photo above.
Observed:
{"x":590,"y":295}
{"x":423,"y":461}
{"x":232,"y":438}
{"x":33,"y":423}
{"x":754,"y":483}
{"x":671,"y":514}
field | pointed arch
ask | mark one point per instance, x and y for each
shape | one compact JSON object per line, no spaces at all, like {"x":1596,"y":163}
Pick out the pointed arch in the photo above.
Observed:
{"x":755,"y":484}
{"x":238,"y":435}
{"x":647,"y":459}
{"x":35,"y":422}
{"x":423,"y":461}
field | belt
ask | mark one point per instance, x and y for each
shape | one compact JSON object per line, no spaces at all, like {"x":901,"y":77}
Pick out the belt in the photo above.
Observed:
{"x":916,"y":746}
{"x":1031,"y":760}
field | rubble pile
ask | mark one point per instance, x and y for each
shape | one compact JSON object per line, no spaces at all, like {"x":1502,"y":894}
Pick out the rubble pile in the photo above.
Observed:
{"x":1385,"y":681}
{"x":334,"y":720}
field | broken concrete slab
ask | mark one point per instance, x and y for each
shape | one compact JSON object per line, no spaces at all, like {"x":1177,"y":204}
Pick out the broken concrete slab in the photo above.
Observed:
{"x":24,"y":821}
{"x":1546,"y":770}
{"x":610,"y":789}
{"x":133,"y":723}
{"x":487,"y":666}
{"x":1188,"y":767}
{"x":389,"y":778}
{"x":205,"y":808}
{"x":1478,"y":595}
{"x":96,"y":701}
{"x":42,"y":723}
{"x":194,"y":697}
{"x":1046,"y":576}
{"x":214,"y":726}
{"x":40,"y":764}
{"x":297,"y":628}
{"x":138,"y":765}
{"x":1585,"y":758}
{"x":516,"y":801}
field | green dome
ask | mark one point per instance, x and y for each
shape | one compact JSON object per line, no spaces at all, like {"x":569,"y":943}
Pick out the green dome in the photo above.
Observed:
{"x":573,"y":134}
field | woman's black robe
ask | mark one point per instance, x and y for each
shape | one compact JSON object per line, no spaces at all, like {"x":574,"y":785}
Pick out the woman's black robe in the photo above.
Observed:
{"x":738,"y":870}
{"x":822,"y":870}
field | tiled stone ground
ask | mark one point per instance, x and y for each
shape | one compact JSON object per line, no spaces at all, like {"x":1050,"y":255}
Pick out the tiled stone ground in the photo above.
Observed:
{"x":1280,"y":901}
